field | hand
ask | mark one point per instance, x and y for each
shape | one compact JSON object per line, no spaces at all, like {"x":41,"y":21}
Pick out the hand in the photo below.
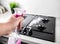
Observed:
{"x":15,"y":22}
{"x":8,"y":27}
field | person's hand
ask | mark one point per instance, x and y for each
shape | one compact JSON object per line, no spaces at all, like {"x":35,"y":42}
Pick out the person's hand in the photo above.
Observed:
{"x":13,"y":23}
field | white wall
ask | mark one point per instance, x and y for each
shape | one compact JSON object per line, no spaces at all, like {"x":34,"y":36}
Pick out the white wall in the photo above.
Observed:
{"x":41,"y":7}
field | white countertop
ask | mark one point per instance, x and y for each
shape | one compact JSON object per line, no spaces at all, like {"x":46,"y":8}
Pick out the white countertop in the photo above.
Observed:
{"x":57,"y":30}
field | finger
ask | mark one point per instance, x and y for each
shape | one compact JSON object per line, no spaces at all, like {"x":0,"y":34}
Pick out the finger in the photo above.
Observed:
{"x":21,"y":19}
{"x":20,"y":25}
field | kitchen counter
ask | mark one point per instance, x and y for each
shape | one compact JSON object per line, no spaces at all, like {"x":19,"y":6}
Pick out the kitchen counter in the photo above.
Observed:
{"x":32,"y":40}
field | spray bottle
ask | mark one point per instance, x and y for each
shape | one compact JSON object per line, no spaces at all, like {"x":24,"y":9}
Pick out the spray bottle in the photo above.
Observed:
{"x":14,"y":37}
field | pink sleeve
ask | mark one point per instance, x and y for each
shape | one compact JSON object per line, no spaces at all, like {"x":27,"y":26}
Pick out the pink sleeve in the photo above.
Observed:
{"x":18,"y":41}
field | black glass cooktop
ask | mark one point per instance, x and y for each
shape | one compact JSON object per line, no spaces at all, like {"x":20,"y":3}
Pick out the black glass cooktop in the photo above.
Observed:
{"x":37,"y":26}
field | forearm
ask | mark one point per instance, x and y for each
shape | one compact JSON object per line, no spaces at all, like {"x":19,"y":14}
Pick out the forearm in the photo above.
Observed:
{"x":4,"y":28}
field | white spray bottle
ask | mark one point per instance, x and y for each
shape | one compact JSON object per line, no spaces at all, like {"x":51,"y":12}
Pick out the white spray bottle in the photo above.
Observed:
{"x":14,"y":37}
